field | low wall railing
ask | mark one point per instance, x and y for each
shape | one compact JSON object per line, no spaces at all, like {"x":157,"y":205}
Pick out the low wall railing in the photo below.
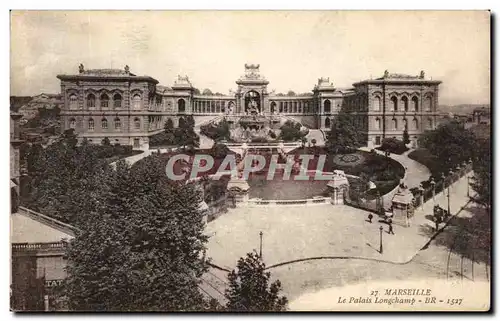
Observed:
{"x":316,"y":200}
{"x":38,"y":246}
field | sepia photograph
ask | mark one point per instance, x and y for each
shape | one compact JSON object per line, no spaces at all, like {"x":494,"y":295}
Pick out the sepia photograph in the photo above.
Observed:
{"x":250,"y":161}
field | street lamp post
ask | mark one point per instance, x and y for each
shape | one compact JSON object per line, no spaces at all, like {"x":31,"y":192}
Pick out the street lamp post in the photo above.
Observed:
{"x":433,"y":185}
{"x":468,"y":184}
{"x":260,"y":251}
{"x":379,"y":203}
{"x":381,"y":247}
{"x":449,"y":213}
{"x":421,"y":191}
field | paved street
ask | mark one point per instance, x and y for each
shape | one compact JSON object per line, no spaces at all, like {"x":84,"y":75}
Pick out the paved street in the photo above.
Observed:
{"x":323,"y":230}
{"x":301,"y":280}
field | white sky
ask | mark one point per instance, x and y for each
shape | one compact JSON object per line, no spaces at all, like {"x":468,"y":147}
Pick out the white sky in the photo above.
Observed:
{"x":294,"y":48}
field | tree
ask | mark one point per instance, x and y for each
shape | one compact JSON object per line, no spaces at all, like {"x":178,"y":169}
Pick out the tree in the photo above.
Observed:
{"x":291,"y":131}
{"x":207,"y":92}
{"x":344,"y":136}
{"x":63,"y":177}
{"x":393,"y":145}
{"x":406,"y":137}
{"x":481,"y":182}
{"x":217,"y":132}
{"x":291,"y":93}
{"x":167,"y":137}
{"x":249,"y":288}
{"x":185,"y":135}
{"x":106,"y":142}
{"x":141,"y":247}
{"x":169,"y":125}
{"x":451,"y":143}
{"x":219,"y":150}
{"x":68,"y":137}
{"x":196,"y":91}
{"x":168,"y":130}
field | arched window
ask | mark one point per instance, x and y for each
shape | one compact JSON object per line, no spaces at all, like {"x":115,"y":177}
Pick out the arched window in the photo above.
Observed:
{"x":137,"y":123}
{"x":405,"y":103}
{"x":91,"y":124}
{"x":182,"y":122}
{"x":377,"y":123}
{"x":414,"y":103}
{"x":376,"y":103}
{"x":429,"y":123}
{"x":428,"y":103}
{"x":327,"y":122}
{"x":394,"y":103}
{"x":273,"y":107}
{"x":104,"y":123}
{"x":405,"y":124}
{"x":415,"y":123}
{"x":90,"y":101}
{"x":72,"y":123}
{"x":73,"y":101}
{"x":181,"y":105}
{"x":136,"y":101}
{"x":394,"y":123}
{"x":118,"y":123}
{"x":327,"y":106}
{"x":117,"y":101}
{"x":104,"y":101}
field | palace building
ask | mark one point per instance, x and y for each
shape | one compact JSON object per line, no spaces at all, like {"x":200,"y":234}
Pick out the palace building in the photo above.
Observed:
{"x":128,"y":109}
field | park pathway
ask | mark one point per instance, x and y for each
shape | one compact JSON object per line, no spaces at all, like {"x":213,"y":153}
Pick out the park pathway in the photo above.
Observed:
{"x":415,"y":172}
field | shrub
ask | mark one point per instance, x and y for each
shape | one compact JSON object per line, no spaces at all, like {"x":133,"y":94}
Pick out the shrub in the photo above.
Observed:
{"x":219,"y":151}
{"x":291,"y":131}
{"x":393,"y":145}
{"x":259,"y":140}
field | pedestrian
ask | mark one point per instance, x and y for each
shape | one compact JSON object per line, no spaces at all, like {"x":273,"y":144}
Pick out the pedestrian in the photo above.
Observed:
{"x":391,"y":230}
{"x":370,"y":217}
